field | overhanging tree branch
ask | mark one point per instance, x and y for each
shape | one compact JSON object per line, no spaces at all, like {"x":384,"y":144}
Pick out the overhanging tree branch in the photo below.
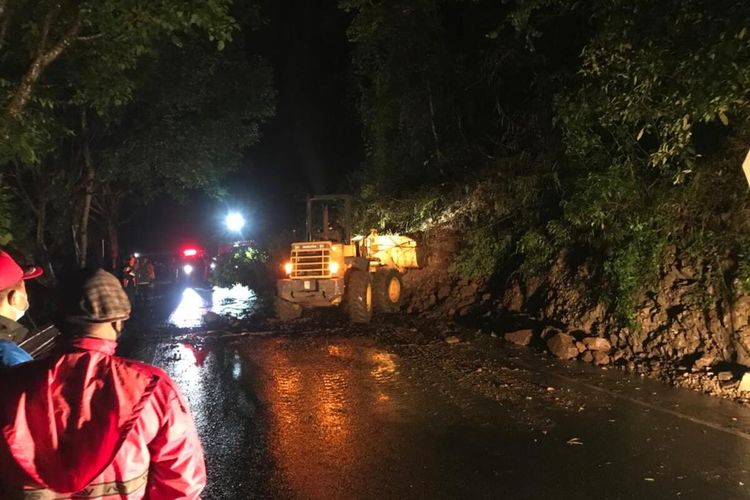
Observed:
{"x":42,"y":59}
{"x":88,"y":38}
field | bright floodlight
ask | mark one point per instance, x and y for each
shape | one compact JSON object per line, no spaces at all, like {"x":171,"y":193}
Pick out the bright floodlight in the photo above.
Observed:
{"x":235,"y":222}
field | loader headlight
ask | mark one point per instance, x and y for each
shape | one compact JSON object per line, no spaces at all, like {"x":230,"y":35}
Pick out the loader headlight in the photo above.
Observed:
{"x":333,"y":267}
{"x":288,"y":268}
{"x":187,"y":269}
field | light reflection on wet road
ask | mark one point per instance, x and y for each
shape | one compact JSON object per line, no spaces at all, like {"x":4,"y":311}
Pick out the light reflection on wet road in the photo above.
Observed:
{"x":195,"y":303}
{"x":331,"y":416}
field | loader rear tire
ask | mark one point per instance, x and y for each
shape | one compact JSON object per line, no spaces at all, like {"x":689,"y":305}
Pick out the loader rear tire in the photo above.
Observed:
{"x":287,"y":311}
{"x":388,"y":289}
{"x":359,"y":296}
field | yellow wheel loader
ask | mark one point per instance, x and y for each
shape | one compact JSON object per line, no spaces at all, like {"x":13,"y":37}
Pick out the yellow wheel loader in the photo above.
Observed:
{"x":333,"y":268}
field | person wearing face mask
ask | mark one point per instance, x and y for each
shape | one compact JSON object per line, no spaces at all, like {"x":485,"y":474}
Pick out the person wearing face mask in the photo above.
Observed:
{"x":84,"y":423}
{"x":14,"y":302}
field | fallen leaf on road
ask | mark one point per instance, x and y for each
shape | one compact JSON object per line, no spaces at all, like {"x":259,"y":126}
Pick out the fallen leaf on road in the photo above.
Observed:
{"x":575,"y":441}
{"x":650,"y":479}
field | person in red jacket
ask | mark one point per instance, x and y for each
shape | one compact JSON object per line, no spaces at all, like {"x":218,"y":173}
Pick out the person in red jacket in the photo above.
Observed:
{"x":85,"y":423}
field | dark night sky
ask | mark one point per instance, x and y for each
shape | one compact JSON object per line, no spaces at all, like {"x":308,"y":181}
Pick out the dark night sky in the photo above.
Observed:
{"x":310,"y":146}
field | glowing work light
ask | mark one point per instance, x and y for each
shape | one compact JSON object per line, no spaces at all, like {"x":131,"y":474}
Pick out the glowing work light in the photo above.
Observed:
{"x":235,"y":222}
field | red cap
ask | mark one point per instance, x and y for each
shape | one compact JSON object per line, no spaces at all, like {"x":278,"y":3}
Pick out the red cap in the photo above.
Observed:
{"x":11,"y":273}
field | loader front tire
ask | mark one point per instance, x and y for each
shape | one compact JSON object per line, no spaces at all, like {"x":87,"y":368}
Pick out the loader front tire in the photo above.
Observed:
{"x":359,"y":296}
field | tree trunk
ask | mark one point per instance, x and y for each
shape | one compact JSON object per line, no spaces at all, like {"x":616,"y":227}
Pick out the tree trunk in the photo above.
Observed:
{"x":432,"y":122}
{"x":74,"y":231}
{"x":43,"y":254}
{"x":41,"y":222}
{"x":114,"y":240}
{"x":88,"y":193}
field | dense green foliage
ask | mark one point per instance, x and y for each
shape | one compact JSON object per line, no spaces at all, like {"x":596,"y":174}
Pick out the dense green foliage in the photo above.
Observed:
{"x":186,"y":129}
{"x":5,"y":215}
{"x":244,"y":266}
{"x":610,"y":132}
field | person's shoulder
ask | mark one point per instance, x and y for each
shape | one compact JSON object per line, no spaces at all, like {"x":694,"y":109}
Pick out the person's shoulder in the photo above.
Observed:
{"x":141,"y":367}
{"x":12,"y":355}
{"x":151,"y":371}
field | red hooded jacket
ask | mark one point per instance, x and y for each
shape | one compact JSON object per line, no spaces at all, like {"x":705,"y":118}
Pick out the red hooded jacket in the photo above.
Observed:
{"x":87,"y":424}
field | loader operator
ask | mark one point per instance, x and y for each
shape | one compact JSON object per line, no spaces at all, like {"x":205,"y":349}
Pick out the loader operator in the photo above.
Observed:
{"x":335,"y":229}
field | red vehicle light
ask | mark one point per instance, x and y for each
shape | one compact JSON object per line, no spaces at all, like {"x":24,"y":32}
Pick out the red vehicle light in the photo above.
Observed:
{"x":190,"y":252}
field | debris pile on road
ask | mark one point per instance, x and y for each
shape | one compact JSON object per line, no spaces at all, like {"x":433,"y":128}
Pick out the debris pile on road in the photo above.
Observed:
{"x":568,"y":345}
{"x":682,"y":325}
{"x":732,"y":382}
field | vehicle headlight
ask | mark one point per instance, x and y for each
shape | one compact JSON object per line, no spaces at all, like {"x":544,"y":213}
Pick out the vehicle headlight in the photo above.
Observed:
{"x":187,"y":268}
{"x":288,"y":268}
{"x":333,"y":267}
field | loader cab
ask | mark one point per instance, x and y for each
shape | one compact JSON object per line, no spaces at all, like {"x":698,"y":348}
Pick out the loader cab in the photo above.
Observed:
{"x":329,"y":218}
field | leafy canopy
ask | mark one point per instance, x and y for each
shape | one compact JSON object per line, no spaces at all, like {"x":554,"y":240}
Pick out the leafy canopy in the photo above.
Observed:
{"x":195,"y":113}
{"x":55,"y":54}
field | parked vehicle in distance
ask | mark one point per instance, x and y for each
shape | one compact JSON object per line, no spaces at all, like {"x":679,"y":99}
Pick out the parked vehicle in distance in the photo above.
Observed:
{"x":194,"y":266}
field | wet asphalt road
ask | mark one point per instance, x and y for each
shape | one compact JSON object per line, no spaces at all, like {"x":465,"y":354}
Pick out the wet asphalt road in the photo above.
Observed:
{"x":321,"y":410}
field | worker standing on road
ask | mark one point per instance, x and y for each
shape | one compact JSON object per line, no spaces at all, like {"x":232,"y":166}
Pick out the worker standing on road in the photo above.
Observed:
{"x":128,"y":277}
{"x":14,"y":301}
{"x":86,"y":423}
{"x":144,"y":276}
